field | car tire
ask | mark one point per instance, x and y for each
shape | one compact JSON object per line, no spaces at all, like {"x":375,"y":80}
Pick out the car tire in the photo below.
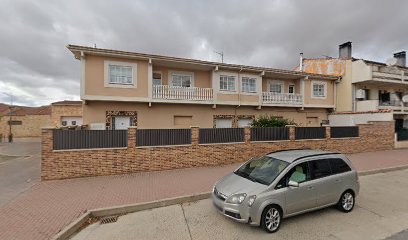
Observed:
{"x":271,"y":218}
{"x":346,"y":202}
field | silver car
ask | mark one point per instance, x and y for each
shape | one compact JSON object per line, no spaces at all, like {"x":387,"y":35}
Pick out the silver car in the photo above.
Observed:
{"x":266,"y":189}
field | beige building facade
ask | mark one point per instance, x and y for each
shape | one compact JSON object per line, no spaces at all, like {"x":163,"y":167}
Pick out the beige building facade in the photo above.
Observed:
{"x":367,"y":86}
{"x":121,"y":89}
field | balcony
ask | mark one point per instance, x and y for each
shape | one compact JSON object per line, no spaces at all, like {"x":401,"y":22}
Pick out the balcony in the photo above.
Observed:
{"x":372,"y":105}
{"x":282,"y":99}
{"x":182,"y":93}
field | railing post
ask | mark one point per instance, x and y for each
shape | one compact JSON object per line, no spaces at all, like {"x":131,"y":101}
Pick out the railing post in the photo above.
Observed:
{"x":328,"y":133}
{"x":131,"y":137}
{"x":291,"y":132}
{"x":194,"y":135}
{"x":247,"y":134}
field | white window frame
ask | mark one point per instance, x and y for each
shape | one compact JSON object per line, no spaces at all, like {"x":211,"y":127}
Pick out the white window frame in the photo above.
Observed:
{"x":161,"y":77}
{"x":249,"y":78}
{"x":107,"y":82}
{"x":294,"y":88}
{"x":276,"y":82}
{"x":324,"y":89}
{"x":171,"y":73}
{"x":228,"y":79}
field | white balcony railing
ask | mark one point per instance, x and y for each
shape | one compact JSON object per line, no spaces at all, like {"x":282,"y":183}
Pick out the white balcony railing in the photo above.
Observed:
{"x":282,"y":98}
{"x":182,"y":93}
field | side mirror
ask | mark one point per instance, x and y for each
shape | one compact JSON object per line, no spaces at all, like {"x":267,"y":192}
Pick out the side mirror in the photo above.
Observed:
{"x":293,"y":184}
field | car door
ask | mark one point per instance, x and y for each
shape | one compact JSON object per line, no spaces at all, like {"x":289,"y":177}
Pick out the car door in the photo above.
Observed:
{"x":300,"y":198}
{"x":340,"y":171}
{"x":324,"y":180}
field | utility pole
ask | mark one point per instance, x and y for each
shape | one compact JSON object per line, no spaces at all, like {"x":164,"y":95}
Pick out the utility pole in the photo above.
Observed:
{"x":221,"y":54}
{"x":10,"y":136}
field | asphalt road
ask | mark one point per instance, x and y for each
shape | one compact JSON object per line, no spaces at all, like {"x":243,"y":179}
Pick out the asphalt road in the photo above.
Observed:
{"x":19,"y":172}
{"x":381,"y":213}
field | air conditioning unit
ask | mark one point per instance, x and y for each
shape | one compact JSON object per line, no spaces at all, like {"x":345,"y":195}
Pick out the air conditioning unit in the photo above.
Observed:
{"x":361,"y":94}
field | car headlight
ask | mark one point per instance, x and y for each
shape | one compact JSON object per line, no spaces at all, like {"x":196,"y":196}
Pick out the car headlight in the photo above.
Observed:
{"x":237,"y":198}
{"x":251,"y":200}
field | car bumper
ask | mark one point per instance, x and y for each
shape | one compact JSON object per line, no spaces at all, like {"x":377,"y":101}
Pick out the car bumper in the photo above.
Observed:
{"x":237,"y":212}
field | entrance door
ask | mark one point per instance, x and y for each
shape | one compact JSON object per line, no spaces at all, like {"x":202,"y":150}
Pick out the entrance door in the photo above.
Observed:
{"x":121,"y":123}
{"x":399,"y":124}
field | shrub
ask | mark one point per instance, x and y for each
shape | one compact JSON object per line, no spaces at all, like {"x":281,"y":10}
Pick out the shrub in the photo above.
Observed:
{"x":271,"y":121}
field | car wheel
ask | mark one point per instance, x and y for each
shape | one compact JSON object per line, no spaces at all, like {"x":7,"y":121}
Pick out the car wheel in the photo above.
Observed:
{"x":346,"y":202}
{"x":271,"y":218}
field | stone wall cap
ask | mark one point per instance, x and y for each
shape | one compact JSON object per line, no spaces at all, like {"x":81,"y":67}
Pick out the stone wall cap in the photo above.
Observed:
{"x":48,"y":128}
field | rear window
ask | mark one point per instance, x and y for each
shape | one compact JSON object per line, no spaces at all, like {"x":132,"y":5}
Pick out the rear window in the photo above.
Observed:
{"x":320,"y":168}
{"x":339,"y":166}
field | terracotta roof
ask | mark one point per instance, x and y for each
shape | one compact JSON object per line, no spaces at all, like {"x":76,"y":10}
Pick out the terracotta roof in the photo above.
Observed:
{"x":67,"y":102}
{"x":373,"y":111}
{"x":76,"y":49}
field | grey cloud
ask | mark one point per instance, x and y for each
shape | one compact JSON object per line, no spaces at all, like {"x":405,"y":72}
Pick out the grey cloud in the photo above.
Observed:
{"x":36,"y":66}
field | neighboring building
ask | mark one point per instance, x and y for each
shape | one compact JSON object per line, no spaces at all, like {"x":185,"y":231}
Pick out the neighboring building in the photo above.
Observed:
{"x":121,"y":89}
{"x":66,"y":113}
{"x":25,"y":121}
{"x":28,"y":121}
{"x":366,"y":85}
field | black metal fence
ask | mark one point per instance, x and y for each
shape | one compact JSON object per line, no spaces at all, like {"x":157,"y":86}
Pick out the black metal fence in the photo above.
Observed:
{"x":310,"y":133}
{"x":269,"y":134}
{"x":221,"y":135}
{"x":82,"y":139}
{"x":162,"y":137}
{"x":344,"y":132}
{"x":402,"y":135}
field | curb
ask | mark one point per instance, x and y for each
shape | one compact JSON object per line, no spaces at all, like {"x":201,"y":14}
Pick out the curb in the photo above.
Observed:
{"x":124,"y":209}
{"x":383,"y":170}
{"x":130,"y":208}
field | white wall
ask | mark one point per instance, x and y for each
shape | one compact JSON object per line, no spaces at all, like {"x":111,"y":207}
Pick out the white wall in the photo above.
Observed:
{"x":358,"y":118}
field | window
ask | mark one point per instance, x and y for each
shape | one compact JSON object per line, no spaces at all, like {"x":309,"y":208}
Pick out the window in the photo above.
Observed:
{"x":120,"y":74}
{"x":223,"y":123}
{"x":248,"y":84}
{"x":299,"y":174}
{"x":244,"y":122}
{"x":14,"y":122}
{"x":157,"y":79}
{"x":227,"y":83}
{"x":275,"y":87}
{"x":319,"y":89}
{"x":181,"y":80}
{"x":320,"y":168}
{"x":339,"y":166}
{"x":263,"y":169}
{"x":291,"y":89}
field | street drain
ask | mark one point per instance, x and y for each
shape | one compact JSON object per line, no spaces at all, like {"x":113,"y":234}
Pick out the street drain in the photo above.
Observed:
{"x":111,"y":219}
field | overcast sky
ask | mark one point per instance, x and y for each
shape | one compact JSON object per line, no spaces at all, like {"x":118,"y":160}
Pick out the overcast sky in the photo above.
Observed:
{"x":37,"y":69}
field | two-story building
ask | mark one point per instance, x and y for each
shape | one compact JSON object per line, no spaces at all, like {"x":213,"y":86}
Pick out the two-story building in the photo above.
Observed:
{"x":366,"y":86}
{"x":121,"y":89}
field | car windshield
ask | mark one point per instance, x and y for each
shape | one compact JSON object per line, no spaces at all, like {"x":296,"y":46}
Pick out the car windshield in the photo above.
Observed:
{"x":262,"y":169}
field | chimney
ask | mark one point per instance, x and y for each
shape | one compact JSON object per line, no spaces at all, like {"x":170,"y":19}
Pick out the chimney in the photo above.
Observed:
{"x":401,"y":58}
{"x":345,"y":50}
{"x":301,"y":62}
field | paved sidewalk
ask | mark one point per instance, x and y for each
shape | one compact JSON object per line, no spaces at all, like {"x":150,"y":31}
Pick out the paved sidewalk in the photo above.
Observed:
{"x":48,"y":207}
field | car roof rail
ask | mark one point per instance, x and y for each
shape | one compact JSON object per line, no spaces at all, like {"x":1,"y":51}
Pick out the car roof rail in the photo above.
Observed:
{"x":284,"y":150}
{"x":316,"y":155}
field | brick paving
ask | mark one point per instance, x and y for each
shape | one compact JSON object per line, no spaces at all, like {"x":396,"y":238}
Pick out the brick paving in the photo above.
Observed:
{"x":49,"y":206}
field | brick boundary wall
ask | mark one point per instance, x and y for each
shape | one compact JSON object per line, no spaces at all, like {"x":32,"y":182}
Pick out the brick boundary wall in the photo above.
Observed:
{"x":62,"y":164}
